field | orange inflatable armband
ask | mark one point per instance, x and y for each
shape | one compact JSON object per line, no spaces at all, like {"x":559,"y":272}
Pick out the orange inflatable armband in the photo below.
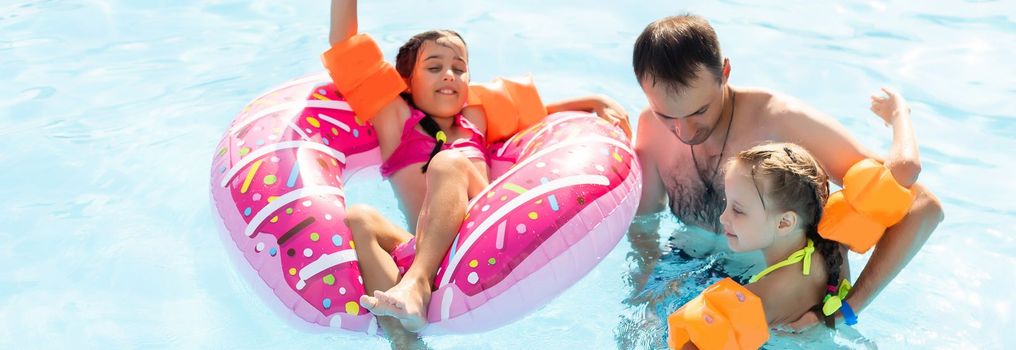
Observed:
{"x":509,"y":106}
{"x":870,"y":202}
{"x":725,"y":316}
{"x":362,"y":76}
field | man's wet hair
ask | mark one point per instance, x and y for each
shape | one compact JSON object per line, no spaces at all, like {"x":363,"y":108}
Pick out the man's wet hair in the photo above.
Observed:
{"x":671,"y":50}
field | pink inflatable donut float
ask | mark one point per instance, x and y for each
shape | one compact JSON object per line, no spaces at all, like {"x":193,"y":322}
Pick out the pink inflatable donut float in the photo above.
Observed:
{"x":562,"y":195}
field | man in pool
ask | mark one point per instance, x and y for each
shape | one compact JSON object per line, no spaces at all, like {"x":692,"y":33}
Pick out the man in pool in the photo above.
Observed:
{"x":695,"y":120}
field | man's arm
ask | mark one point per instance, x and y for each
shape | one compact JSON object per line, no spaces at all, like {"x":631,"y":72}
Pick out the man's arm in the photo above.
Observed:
{"x":836,"y":150}
{"x":825,"y":138}
{"x":643,"y":234}
{"x":654,"y":198}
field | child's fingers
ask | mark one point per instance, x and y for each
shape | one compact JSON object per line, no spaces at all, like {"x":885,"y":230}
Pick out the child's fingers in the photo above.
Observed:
{"x":622,"y":123}
{"x":616,"y":116}
{"x":888,"y":91}
{"x":610,"y":115}
{"x":878,"y":101}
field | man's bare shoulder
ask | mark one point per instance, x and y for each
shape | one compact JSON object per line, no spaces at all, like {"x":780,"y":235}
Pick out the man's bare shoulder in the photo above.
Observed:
{"x":780,"y":115}
{"x":772,"y":106}
{"x":648,"y":133}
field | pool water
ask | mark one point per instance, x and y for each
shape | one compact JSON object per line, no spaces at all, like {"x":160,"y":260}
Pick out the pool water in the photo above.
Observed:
{"x":110,"y":112}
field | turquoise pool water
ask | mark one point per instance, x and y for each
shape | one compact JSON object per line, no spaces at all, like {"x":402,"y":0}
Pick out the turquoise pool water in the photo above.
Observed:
{"x":110,"y":110}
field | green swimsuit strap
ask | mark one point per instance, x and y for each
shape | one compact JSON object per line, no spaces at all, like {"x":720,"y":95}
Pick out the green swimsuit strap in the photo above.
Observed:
{"x":801,"y":255}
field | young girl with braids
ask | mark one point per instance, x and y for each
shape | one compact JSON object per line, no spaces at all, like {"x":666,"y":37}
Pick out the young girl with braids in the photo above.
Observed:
{"x":776,"y":196}
{"x":433,"y":149}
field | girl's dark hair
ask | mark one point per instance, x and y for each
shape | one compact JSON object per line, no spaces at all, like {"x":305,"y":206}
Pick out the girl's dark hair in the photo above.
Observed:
{"x":794,"y":181}
{"x":405,"y":61}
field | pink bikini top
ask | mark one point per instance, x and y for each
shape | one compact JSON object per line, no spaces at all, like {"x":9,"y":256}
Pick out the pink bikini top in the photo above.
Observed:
{"x":415,"y":146}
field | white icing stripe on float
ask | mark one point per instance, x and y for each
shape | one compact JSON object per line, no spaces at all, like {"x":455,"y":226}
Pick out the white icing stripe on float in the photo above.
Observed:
{"x":372,"y":326}
{"x":262,"y":113}
{"x":446,"y":303}
{"x":546,"y":128}
{"x":285,"y":200}
{"x":549,"y":149}
{"x":296,"y":106}
{"x":325,"y":262}
{"x":499,"y":242}
{"x":296,"y":128}
{"x":513,"y":204}
{"x":335,"y":122}
{"x":500,"y":152}
{"x":322,"y":78}
{"x":504,"y":146}
{"x":260,"y":152}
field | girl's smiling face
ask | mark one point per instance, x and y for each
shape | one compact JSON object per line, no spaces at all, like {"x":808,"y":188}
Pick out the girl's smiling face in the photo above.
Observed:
{"x":439,"y":83}
{"x":746,"y":223}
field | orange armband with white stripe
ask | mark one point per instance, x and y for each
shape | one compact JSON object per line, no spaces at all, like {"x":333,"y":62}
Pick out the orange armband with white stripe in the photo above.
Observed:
{"x":871,"y":201}
{"x":362,"y":76}
{"x":725,"y":316}
{"x":509,"y":105}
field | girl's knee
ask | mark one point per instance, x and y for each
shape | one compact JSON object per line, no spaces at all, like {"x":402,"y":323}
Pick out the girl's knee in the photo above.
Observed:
{"x":359,"y":216}
{"x":448,"y":162}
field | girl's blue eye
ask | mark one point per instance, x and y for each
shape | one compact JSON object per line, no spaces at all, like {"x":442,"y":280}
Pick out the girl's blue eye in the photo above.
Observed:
{"x":434,"y":69}
{"x":458,"y":71}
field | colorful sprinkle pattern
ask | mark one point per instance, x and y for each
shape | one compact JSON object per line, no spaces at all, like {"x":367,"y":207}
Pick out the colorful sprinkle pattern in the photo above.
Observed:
{"x":277,"y":179}
{"x":541,"y":216}
{"x":307,"y":229}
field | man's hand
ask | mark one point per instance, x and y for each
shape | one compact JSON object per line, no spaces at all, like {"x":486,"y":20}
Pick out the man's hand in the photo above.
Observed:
{"x":806,"y":322}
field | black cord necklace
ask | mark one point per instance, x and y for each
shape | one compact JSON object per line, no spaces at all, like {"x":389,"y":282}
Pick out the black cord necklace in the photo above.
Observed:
{"x":708,"y":183}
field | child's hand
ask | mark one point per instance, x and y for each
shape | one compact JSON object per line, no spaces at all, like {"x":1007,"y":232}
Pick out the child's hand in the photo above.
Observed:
{"x":890,"y":107}
{"x":903,"y":160}
{"x":611,"y":111}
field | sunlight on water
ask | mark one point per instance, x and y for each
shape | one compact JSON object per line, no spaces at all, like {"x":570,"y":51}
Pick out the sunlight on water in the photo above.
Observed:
{"x":110,"y":110}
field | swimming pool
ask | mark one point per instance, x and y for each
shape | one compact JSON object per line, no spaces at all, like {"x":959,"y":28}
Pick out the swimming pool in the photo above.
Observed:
{"x":110,"y":112}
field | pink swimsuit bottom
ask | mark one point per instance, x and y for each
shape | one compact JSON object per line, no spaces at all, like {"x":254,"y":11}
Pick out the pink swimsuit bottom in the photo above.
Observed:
{"x":415,"y":146}
{"x":404,"y":254}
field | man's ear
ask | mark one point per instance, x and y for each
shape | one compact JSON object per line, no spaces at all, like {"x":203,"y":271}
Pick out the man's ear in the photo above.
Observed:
{"x":726,"y":70}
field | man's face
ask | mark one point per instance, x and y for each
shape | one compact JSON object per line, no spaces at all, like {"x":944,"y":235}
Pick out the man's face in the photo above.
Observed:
{"x":692,"y":113}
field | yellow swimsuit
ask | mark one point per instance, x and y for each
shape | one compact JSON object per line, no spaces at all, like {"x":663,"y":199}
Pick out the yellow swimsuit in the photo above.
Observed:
{"x":834,"y":300}
{"x":795,"y":257}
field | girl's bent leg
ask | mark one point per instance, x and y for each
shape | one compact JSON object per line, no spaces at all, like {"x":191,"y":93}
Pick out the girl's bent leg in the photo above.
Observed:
{"x":451,"y":178}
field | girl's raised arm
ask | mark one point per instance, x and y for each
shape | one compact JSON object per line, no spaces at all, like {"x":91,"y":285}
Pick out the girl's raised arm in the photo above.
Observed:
{"x":343,"y":21}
